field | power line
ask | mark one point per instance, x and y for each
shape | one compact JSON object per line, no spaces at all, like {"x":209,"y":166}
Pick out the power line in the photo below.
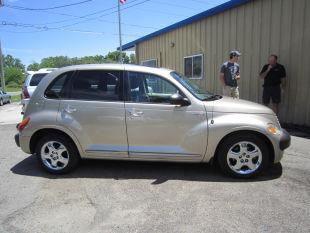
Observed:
{"x":87,"y":20}
{"x":86,"y":17}
{"x":45,"y":28}
{"x":49,"y":8}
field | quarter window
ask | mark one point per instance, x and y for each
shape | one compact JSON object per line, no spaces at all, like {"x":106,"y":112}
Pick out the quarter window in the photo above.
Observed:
{"x":97,"y":85}
{"x":193,"y":66}
{"x":56,"y":89}
{"x":150,"y":88}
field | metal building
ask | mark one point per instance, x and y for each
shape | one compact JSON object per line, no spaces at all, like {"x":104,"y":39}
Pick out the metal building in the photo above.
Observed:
{"x":197,"y":46}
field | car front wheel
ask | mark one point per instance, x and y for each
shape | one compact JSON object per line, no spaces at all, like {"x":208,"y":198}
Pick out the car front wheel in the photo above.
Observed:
{"x":57,"y":154}
{"x":243,"y":155}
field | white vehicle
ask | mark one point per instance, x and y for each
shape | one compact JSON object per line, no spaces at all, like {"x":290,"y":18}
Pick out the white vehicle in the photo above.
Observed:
{"x":31,"y":83}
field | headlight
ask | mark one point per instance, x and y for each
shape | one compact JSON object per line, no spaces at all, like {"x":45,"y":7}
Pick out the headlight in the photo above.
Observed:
{"x":272,"y":129}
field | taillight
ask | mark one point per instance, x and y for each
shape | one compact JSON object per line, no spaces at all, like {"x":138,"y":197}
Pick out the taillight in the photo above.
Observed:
{"x":23,"y":124}
{"x":25,"y":93}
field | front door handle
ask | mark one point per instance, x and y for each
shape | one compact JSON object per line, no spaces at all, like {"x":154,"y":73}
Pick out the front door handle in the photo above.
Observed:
{"x":69,"y":109}
{"x":134,"y":113}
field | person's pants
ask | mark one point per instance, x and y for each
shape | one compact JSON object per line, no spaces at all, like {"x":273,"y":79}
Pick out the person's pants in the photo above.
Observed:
{"x":231,"y":91}
{"x":273,"y":93}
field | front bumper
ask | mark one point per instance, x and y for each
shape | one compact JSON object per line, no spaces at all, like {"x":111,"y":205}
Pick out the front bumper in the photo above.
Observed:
{"x":285,"y":140}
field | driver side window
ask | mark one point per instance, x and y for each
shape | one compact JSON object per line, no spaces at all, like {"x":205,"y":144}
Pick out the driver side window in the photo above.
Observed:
{"x":149,"y":88}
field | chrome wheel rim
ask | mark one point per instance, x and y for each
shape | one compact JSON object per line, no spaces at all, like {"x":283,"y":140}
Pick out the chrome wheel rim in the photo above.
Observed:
{"x":54,"y":155}
{"x":244,"y":157}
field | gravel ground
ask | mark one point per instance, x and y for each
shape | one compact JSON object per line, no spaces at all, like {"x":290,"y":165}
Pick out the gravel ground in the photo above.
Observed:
{"x":111,"y":196}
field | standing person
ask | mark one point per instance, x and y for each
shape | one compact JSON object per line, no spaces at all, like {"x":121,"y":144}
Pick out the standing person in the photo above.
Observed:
{"x":274,"y":75}
{"x":230,"y":74}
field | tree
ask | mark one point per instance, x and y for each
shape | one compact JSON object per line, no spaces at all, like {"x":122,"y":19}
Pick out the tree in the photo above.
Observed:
{"x":13,"y":75}
{"x":55,"y":62}
{"x":13,"y":70}
{"x":10,"y":61}
{"x":113,"y":57}
{"x":34,"y":66}
{"x":132,"y":58}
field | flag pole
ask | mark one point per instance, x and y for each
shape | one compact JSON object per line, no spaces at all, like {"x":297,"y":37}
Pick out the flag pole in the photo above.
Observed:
{"x":120,"y":32}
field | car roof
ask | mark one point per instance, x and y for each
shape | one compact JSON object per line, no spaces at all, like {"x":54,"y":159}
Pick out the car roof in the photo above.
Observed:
{"x":127,"y":67}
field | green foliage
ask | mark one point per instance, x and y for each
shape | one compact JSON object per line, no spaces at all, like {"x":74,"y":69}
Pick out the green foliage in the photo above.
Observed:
{"x":12,"y":85}
{"x":34,"y":66}
{"x":61,"y":61}
{"x":13,"y":75}
{"x":10,"y":61}
{"x":132,"y":59}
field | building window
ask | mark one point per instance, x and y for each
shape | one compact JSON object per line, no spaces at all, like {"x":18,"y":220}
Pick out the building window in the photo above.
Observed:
{"x":193,"y":66}
{"x":149,"y":63}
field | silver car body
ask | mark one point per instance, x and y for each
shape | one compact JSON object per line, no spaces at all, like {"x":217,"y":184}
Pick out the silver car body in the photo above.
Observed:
{"x":6,"y":98}
{"x":140,"y":131}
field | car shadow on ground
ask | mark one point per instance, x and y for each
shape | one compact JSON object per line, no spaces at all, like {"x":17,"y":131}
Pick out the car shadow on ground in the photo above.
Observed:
{"x":159,"y":172}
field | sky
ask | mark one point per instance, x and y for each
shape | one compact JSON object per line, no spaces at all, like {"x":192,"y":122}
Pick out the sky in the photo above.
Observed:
{"x":30,"y":31}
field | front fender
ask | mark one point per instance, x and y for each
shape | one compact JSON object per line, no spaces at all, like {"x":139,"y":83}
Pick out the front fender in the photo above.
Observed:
{"x":226,"y":123}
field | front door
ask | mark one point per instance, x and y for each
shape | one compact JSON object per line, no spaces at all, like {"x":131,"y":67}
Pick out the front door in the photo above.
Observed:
{"x":94,"y":112}
{"x":157,"y":129}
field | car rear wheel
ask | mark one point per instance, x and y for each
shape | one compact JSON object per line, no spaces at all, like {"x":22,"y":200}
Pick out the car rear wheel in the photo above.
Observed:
{"x":243,"y":155}
{"x":1,"y":102}
{"x":57,"y":154}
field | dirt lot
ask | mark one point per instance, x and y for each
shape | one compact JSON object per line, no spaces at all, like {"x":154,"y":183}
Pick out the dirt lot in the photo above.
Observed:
{"x":109,"y":196}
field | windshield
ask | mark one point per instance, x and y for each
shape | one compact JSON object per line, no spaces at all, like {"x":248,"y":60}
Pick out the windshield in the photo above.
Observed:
{"x":36,"y":79}
{"x":191,"y":87}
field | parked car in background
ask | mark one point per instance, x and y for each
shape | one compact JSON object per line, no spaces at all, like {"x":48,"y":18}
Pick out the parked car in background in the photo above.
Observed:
{"x":31,"y":82}
{"x":4,"y":98}
{"x":129,"y":112}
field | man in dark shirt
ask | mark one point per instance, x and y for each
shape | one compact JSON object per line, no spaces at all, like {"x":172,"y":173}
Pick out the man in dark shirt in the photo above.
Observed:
{"x":274,"y":75}
{"x":229,"y":74}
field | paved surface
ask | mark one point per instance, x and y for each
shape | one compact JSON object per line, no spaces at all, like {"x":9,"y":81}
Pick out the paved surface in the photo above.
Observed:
{"x":10,"y":114}
{"x":107,"y":196}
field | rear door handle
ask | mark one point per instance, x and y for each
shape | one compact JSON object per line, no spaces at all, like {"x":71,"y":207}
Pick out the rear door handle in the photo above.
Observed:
{"x":69,"y":109}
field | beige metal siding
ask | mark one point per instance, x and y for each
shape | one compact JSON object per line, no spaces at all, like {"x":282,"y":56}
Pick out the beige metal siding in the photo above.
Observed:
{"x":257,"y":29}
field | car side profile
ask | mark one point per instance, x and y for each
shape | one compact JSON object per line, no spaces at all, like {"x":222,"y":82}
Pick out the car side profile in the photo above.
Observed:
{"x":5,"y":98}
{"x":130,"y":112}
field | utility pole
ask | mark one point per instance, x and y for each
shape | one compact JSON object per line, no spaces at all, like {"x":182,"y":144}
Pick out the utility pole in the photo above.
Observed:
{"x":119,"y":31}
{"x":1,"y":62}
{"x":1,"y":69}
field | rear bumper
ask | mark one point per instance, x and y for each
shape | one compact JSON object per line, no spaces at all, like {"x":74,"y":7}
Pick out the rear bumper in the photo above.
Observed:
{"x":16,"y":137}
{"x":23,"y":142}
{"x":285,"y":140}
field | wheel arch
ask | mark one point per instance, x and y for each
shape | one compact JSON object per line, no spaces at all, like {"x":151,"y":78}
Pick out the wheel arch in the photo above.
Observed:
{"x":48,"y":131}
{"x":252,"y":132}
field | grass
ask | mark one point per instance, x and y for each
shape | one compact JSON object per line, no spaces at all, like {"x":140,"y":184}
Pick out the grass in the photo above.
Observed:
{"x":15,"y":98}
{"x":12,"y":89}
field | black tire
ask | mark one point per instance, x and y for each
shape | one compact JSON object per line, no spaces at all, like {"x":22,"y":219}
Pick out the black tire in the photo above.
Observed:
{"x":72,"y":153}
{"x":9,"y":101}
{"x":229,"y":142}
{"x":1,"y":102}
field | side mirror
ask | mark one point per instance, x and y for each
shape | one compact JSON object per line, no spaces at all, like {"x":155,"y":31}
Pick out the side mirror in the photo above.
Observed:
{"x":177,"y":99}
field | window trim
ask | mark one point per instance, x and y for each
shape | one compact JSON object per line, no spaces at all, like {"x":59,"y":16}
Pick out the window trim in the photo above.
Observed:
{"x":76,"y":73}
{"x":151,"y":59}
{"x":202,"y":62}
{"x":127,"y":88}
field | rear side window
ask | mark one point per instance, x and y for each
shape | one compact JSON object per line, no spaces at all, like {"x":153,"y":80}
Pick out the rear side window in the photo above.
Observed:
{"x":56,"y":89}
{"x":36,"y":79}
{"x":100,"y":85}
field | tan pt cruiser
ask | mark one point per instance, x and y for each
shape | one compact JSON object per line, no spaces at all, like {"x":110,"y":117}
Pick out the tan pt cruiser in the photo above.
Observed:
{"x":130,"y":112}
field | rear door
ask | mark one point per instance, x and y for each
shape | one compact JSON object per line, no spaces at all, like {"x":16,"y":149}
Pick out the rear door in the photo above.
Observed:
{"x":94,"y":112}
